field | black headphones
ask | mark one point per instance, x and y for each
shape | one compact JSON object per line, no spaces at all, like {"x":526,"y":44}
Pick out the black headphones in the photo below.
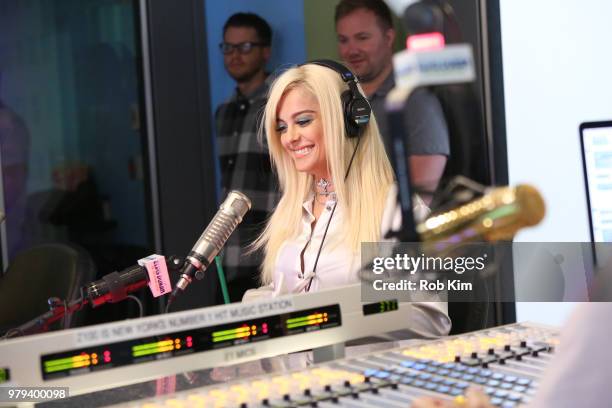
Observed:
{"x":355,"y":106}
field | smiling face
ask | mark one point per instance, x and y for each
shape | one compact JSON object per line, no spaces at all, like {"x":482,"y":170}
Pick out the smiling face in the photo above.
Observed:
{"x":364,"y":45}
{"x":298,"y":123}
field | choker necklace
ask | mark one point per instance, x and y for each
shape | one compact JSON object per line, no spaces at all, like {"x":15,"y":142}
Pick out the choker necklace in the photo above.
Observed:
{"x":324,"y":184}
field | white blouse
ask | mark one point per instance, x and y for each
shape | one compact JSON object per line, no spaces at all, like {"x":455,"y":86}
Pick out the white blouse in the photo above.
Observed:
{"x":338,"y":265}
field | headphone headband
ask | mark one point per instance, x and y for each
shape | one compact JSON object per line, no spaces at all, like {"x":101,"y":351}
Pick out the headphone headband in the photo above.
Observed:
{"x":355,"y":106}
{"x":345,"y":73}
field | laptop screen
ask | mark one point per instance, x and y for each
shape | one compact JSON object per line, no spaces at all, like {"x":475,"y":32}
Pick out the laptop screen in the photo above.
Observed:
{"x":596,"y":140}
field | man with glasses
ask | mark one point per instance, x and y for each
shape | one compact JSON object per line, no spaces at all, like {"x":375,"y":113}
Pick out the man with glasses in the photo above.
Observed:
{"x":243,"y":161}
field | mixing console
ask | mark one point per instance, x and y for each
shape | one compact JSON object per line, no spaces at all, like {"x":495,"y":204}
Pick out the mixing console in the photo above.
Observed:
{"x":507,"y":362}
{"x":110,"y":355}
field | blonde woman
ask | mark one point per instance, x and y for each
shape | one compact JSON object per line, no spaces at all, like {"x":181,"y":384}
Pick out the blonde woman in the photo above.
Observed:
{"x":334,"y":177}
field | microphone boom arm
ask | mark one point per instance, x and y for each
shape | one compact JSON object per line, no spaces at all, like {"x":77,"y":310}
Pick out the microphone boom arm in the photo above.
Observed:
{"x":414,"y":69}
{"x":105,"y":290}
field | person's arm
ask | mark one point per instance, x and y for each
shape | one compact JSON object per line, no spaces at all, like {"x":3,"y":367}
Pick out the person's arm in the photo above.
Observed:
{"x":428,"y":141}
{"x":425,"y":172}
{"x":580,"y":375}
{"x":262,"y":292}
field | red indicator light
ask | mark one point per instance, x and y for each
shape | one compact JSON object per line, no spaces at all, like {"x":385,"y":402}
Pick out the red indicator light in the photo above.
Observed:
{"x":107,"y":359}
{"x":427,"y":41}
{"x":264,"y":328}
{"x":189,"y":339}
{"x":106,"y":353}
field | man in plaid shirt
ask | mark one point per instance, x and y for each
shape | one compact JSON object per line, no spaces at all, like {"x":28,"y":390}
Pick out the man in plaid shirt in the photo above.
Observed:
{"x":244,"y":162}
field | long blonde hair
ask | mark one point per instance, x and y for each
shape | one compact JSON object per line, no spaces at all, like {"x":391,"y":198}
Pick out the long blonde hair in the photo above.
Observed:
{"x":361,"y":197}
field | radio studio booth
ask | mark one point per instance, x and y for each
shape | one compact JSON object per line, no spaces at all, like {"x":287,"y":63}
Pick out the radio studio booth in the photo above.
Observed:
{"x":306,"y":203}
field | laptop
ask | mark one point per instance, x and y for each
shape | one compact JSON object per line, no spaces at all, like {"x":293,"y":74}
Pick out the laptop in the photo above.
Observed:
{"x":596,"y":146}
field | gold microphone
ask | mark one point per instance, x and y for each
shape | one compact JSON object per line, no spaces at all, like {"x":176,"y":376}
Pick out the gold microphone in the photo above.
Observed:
{"x":497,"y":216}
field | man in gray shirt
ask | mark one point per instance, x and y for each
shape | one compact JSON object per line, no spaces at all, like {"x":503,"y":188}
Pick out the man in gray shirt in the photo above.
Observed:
{"x":365,"y":43}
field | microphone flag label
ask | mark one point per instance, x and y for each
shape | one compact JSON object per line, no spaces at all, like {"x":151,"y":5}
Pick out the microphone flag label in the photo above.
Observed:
{"x":159,"y":279}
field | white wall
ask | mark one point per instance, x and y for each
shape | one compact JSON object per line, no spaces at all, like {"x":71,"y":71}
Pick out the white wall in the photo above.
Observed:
{"x":557,"y":74}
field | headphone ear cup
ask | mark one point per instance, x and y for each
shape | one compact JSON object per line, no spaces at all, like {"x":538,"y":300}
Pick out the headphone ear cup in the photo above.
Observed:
{"x":357,"y":113}
{"x":352,"y":130}
{"x":361,"y":111}
{"x":355,"y":107}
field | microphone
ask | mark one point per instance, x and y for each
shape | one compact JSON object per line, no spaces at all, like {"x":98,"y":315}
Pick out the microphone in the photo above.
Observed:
{"x":115,"y":286}
{"x":497,"y":216}
{"x":225,"y":221}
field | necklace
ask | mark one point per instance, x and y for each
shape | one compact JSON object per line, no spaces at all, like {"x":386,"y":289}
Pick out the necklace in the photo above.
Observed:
{"x":323,"y":191}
